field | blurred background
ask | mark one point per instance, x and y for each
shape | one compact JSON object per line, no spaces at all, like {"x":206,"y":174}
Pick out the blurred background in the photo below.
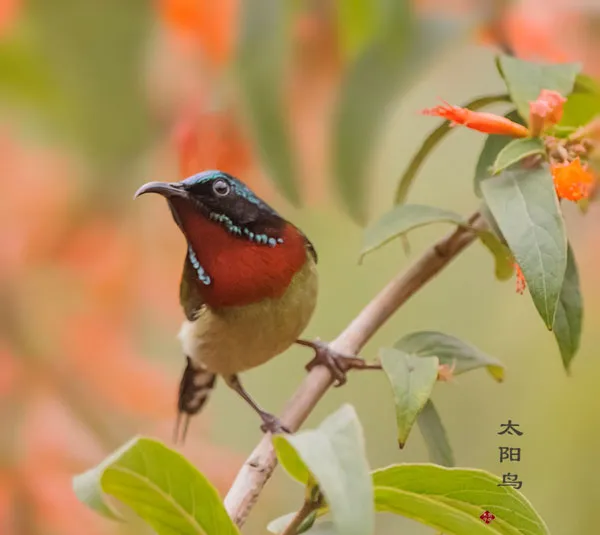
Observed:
{"x":315,"y":105}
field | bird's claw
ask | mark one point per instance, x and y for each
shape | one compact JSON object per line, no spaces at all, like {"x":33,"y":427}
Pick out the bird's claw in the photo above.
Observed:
{"x":332,"y":361}
{"x":272,"y":424}
{"x":337,"y":363}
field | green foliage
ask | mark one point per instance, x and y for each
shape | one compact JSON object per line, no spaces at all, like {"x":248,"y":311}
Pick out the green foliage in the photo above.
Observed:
{"x":580,"y":109}
{"x":525,"y":206}
{"x":525,"y":80}
{"x":503,"y":257}
{"x":262,"y":50}
{"x":402,"y":219}
{"x":412,"y":379}
{"x":434,"y":434}
{"x":334,"y":455}
{"x":515,"y":151}
{"x":448,"y":499}
{"x":569,"y":313}
{"x":431,"y":142}
{"x":459,"y":355}
{"x":492,"y":146}
{"x":161,"y":486}
{"x":451,"y":500}
{"x":406,"y":217}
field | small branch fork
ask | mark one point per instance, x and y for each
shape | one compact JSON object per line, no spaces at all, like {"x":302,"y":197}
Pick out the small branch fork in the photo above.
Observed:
{"x":258,"y":468}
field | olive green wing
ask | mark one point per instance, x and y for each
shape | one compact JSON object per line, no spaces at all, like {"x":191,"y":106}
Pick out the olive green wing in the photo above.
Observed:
{"x":189,"y":295}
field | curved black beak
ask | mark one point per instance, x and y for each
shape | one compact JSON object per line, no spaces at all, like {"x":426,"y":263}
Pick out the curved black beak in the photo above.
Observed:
{"x":166,"y":189}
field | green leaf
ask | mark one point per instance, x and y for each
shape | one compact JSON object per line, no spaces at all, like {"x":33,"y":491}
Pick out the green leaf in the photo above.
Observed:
{"x":452,"y":499}
{"x":412,"y":381}
{"x":516,"y":150}
{"x":386,"y":68}
{"x":434,"y":434}
{"x":161,"y":486}
{"x":586,"y":84}
{"x":525,"y":79}
{"x":432,"y":140}
{"x":525,"y":206}
{"x":569,"y":313}
{"x":492,"y":146}
{"x":580,"y":109}
{"x":503,"y":258}
{"x":334,"y":454}
{"x":357,"y":23}
{"x":402,"y":219}
{"x":450,"y":351}
{"x":262,"y":52}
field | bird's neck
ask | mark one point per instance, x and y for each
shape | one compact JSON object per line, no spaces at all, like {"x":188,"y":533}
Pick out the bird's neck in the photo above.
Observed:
{"x":231,"y":269}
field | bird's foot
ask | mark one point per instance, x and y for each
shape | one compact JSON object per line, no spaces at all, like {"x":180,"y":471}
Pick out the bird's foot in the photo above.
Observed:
{"x":337,"y":363}
{"x":272,"y":424}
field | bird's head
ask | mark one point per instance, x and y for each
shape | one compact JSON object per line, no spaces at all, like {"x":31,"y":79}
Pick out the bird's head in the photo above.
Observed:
{"x":221,"y":198}
{"x":240,"y":248}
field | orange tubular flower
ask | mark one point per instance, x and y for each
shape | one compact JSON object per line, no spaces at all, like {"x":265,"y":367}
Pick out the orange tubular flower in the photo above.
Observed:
{"x":488,"y":123}
{"x":573,"y":181}
{"x":521,"y":283}
{"x":546,"y":111}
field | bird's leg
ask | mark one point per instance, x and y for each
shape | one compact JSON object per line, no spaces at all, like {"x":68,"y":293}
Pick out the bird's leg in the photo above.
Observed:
{"x":271,"y":423}
{"x":337,"y":363}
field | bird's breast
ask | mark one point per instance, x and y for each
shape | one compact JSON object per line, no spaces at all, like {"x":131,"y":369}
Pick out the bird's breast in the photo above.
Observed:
{"x":229,"y":340}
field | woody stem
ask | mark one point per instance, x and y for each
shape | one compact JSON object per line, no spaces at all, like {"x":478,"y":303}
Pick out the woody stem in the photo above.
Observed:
{"x":258,"y":468}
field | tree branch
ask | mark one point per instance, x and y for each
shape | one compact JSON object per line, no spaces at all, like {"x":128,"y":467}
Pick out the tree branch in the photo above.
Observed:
{"x":260,"y":465}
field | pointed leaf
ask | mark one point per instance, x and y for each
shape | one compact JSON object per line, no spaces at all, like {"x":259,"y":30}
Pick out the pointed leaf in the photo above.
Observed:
{"x":452,"y":499}
{"x":402,"y":219}
{"x":580,"y":109}
{"x":412,"y":381}
{"x":525,"y":80}
{"x":262,"y":52}
{"x":516,"y":150}
{"x":525,"y":206}
{"x":569,"y":314}
{"x":161,"y":486}
{"x":586,"y":84}
{"x":501,"y":253}
{"x":492,"y":146}
{"x":434,"y":434}
{"x":334,"y":454}
{"x":381,"y":74}
{"x":433,"y":140}
{"x":450,"y":351}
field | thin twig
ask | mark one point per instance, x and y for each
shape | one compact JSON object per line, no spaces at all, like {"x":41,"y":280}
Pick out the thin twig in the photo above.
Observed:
{"x":307,"y":508}
{"x":260,"y":465}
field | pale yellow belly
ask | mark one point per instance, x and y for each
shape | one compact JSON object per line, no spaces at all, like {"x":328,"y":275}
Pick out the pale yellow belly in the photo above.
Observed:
{"x":234,"y":339}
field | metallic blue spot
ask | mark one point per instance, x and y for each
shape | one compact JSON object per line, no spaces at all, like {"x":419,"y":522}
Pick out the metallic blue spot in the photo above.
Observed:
{"x":272,"y":242}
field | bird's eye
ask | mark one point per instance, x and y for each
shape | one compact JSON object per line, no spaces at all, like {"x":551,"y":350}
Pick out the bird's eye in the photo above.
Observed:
{"x":221,"y":187}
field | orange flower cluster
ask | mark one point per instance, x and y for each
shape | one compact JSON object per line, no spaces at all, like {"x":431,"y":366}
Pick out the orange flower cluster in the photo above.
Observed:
{"x":573,"y":180}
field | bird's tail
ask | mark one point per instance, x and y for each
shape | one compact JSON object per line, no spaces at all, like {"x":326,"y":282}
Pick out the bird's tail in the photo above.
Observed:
{"x":195,"y":387}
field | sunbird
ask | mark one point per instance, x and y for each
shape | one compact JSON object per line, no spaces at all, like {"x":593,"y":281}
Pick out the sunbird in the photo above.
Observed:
{"x":248,"y":289}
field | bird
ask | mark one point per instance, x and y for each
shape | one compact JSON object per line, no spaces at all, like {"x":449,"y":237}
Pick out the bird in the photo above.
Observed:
{"x":248,"y":289}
